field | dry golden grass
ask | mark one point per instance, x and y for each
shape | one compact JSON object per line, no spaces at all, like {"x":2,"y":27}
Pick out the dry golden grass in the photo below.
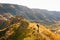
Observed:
{"x":45,"y":34}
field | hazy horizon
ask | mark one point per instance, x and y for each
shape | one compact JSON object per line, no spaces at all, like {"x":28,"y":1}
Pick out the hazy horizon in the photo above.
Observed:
{"x":51,"y":5}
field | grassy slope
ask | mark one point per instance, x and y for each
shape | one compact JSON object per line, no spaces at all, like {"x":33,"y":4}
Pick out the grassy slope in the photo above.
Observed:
{"x":45,"y":34}
{"x":26,"y":30}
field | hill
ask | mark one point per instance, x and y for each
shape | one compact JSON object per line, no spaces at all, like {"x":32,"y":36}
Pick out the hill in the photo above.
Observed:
{"x":20,"y":28}
{"x":22,"y":23}
{"x":37,"y":15}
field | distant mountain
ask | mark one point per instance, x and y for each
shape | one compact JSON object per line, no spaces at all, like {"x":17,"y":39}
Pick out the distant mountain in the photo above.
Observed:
{"x":36,"y":15}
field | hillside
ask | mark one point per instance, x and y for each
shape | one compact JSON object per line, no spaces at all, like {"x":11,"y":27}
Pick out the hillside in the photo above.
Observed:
{"x":20,"y":28}
{"x":22,"y":23}
{"x":37,"y":15}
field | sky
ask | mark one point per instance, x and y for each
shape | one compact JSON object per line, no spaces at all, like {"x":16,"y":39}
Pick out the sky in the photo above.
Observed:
{"x":52,"y":5}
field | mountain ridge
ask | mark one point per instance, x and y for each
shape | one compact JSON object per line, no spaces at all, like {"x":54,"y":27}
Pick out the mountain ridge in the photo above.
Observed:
{"x":37,"y":15}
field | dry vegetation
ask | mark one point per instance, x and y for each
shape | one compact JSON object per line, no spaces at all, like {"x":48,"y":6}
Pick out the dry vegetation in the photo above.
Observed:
{"x":26,"y":30}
